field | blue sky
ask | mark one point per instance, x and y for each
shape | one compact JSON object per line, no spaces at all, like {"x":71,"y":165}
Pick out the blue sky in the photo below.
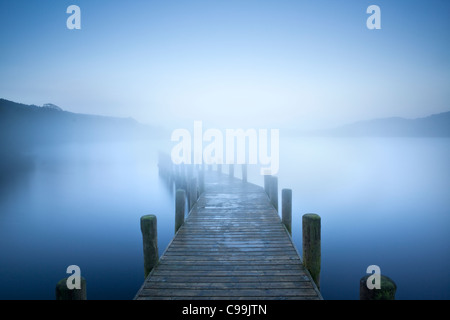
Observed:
{"x":247,"y":63}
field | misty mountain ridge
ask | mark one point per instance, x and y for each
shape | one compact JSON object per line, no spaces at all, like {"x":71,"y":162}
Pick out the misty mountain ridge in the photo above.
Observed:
{"x":436,"y":125}
{"x":22,"y":126}
{"x":52,"y":106}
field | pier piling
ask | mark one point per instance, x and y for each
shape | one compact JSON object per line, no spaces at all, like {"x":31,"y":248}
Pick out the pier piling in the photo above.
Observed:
{"x":273,"y":191}
{"x":286,"y":209}
{"x":64,"y":293}
{"x":386,"y":292}
{"x":180,"y":208}
{"x":150,"y":242}
{"x":231,"y":171}
{"x":267,"y":184}
{"x":244,"y":172}
{"x":312,"y":245}
{"x":192,"y":193}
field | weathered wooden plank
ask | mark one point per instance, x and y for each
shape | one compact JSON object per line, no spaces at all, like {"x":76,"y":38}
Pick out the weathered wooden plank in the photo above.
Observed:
{"x":178,"y":269}
{"x":230,"y":245}
{"x":233,"y":273}
{"x":176,"y":277}
{"x":228,"y":292}
{"x":228,"y":298}
{"x":232,"y":258}
{"x":214,"y":249}
{"x":228,"y":285}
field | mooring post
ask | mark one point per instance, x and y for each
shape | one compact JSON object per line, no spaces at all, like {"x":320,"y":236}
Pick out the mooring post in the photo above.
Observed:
{"x":175,"y":176}
{"x":273,"y":189}
{"x":267,"y":184}
{"x":244,"y":172}
{"x":311,"y":245}
{"x":190,"y":171}
{"x":180,"y":208}
{"x":286,"y":209}
{"x":182,"y":177}
{"x":219,"y":168}
{"x":192,"y":193}
{"x":201,"y":181}
{"x":150,"y":242}
{"x":386,"y":292}
{"x":62,"y":292}
{"x":231,"y":171}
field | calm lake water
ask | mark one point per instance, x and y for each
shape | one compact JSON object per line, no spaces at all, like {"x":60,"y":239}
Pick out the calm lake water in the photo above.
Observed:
{"x":382,"y":201}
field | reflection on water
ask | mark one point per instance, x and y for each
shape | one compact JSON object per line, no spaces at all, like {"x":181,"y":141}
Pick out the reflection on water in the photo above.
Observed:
{"x":80,"y":205}
{"x":382,"y":201}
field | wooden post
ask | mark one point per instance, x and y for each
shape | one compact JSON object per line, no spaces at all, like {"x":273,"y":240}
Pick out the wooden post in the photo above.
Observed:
{"x":386,"y":292}
{"x":286,"y":209}
{"x":150,"y":242}
{"x":64,"y":293}
{"x":267,"y":184}
{"x":201,"y":181}
{"x":190,"y":172}
{"x":244,"y":172}
{"x":231,"y":171}
{"x":311,"y":245}
{"x":180,"y":208}
{"x":180,"y":184}
{"x":188,"y":193}
{"x":192,"y":193}
{"x":182,"y":177}
{"x":274,"y":192}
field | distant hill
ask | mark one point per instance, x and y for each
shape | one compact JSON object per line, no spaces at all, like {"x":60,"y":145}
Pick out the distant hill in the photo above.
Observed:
{"x":437,"y":125}
{"x":52,"y":106}
{"x":22,"y":126}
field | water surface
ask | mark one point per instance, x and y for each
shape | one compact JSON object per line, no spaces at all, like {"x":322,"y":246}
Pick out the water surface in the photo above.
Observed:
{"x":382,"y":201}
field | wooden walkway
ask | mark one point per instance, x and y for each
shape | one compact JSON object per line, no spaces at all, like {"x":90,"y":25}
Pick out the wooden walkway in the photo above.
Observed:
{"x":231,"y":246}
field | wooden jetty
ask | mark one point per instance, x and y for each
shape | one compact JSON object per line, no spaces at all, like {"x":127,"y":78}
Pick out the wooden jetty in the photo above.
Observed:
{"x":232,"y":245}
